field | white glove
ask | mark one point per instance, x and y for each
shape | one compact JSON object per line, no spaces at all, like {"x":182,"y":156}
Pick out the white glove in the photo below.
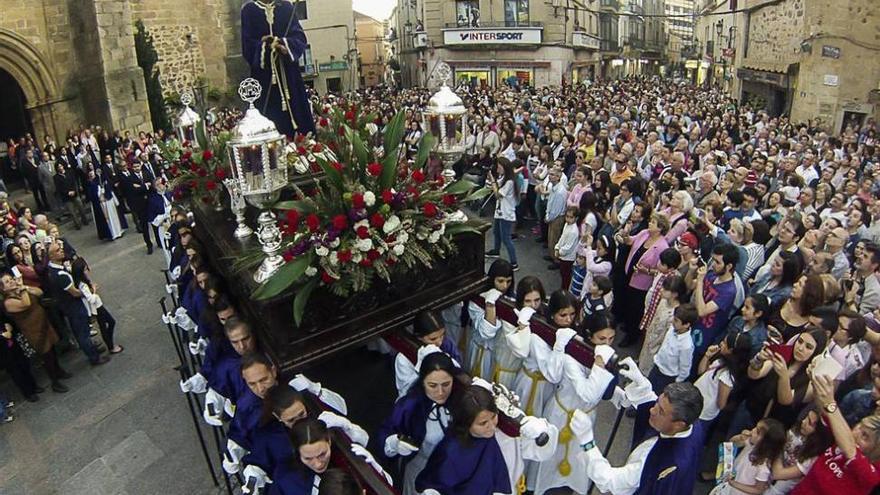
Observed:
{"x":231,"y":467}
{"x":196,"y":384}
{"x":482,"y":383}
{"x":563,"y":337}
{"x":525,"y":315}
{"x":236,"y":451}
{"x":368,"y":457}
{"x":606,"y":352}
{"x":582,"y":427}
{"x":169,"y":319}
{"x":393,"y":447}
{"x":354,"y":432}
{"x":300,"y":383}
{"x":212,"y":397}
{"x":175,"y":273}
{"x":170,"y":288}
{"x":630,"y":370}
{"x":531,"y":427}
{"x":198,"y":347}
{"x":640,"y":389}
{"x":333,"y":420}
{"x":431,"y":491}
{"x":183,"y":320}
{"x":229,"y":407}
{"x":491,"y":296}
{"x":619,"y":399}
{"x":425,"y":351}
{"x":259,"y":476}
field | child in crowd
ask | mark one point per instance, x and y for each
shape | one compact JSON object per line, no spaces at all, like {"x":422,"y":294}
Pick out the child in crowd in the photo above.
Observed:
{"x":750,"y":322}
{"x":672,"y":363}
{"x":805,"y":441}
{"x":760,"y":446}
{"x":567,"y":246}
{"x":721,"y":368}
{"x":673,"y":294}
{"x":579,"y":274}
{"x":595,"y":298}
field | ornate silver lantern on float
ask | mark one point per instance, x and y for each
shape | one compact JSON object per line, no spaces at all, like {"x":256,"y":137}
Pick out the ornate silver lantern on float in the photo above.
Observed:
{"x":446,"y":119}
{"x":188,"y":119}
{"x":257,"y":165}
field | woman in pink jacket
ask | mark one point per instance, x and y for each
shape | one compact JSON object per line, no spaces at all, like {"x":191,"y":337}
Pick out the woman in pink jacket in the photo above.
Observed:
{"x":641,"y":265}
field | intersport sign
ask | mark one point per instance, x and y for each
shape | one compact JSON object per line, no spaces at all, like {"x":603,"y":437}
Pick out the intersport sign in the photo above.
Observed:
{"x":511,"y":36}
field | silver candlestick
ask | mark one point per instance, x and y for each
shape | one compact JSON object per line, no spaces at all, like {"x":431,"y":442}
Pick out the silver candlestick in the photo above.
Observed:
{"x":269,"y":236}
{"x":238,"y":205}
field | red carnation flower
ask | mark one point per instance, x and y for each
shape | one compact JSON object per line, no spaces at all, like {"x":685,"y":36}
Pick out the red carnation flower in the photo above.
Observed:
{"x":300,"y":150}
{"x":193,"y":184}
{"x":390,"y":239}
{"x":174,"y":170}
{"x":187,"y":155}
{"x":292,"y":217}
{"x":363,"y":232}
{"x":387,"y":197}
{"x":288,"y":256}
{"x":374,"y":169}
{"x":318,"y":147}
{"x":313,"y":222}
{"x":323,"y":122}
{"x":344,"y":255}
{"x":338,"y":166}
{"x":390,"y":260}
{"x":220,"y":174}
{"x":194,"y":167}
{"x":341,"y":131}
{"x":366,"y":262}
{"x":377,"y":220}
{"x":298,"y":139}
{"x":333,"y":146}
{"x":357,"y":200}
{"x":349,"y":115}
{"x":418,"y":176}
{"x":372,"y":255}
{"x":178,"y":194}
{"x":202,"y":172}
{"x":207,"y":155}
{"x":327,"y":278}
{"x":448,"y":200}
{"x":413,"y":192}
{"x":429,"y":209}
{"x":210,"y":185}
{"x":340,"y":222}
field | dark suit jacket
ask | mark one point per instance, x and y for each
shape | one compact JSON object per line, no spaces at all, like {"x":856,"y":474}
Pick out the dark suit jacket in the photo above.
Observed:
{"x":64,"y":184}
{"x":137,"y":190}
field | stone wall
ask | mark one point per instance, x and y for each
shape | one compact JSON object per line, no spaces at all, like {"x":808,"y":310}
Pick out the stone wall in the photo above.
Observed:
{"x":775,"y":33}
{"x":195,"y":39}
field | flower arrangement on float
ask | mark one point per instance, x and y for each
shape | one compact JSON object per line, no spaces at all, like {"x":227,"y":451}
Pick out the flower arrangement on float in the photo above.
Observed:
{"x":369,"y":216}
{"x":197,"y":173}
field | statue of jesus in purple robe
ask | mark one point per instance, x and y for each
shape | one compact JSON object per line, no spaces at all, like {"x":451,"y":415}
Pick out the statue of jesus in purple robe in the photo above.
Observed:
{"x":273,"y":41}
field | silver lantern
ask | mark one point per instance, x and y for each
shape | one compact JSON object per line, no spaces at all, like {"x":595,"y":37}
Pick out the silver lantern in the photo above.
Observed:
{"x":188,"y":119}
{"x":255,"y":156}
{"x":238,"y":206}
{"x":445,"y":118}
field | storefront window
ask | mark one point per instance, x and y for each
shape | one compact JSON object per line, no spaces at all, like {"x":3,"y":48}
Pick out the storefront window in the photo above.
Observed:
{"x":473,"y":78}
{"x":515,"y":78}
{"x":516,"y":12}
{"x":467,"y":13}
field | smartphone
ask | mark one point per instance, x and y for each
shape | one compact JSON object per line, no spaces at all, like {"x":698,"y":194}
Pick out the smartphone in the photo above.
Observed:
{"x":784,"y":350}
{"x":16,"y":272}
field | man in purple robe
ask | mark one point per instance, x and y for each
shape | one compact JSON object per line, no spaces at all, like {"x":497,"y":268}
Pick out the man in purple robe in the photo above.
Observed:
{"x":272,"y":42}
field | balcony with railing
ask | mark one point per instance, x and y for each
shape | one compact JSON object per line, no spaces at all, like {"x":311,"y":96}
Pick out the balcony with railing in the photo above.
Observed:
{"x":609,"y":46}
{"x":609,"y":5}
{"x":582,"y":39}
{"x":635,"y":42}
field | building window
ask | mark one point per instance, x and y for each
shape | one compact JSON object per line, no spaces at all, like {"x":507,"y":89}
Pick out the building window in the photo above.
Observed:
{"x":467,"y":13}
{"x":516,"y":12}
{"x":306,"y":64}
{"x":302,"y":12}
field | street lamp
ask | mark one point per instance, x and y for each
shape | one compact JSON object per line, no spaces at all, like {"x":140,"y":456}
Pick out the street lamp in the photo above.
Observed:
{"x":719,"y":27}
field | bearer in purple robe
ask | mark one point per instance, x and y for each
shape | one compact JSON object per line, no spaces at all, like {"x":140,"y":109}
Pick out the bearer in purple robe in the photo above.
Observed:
{"x":469,"y":460}
{"x":272,"y":42}
{"x":225,"y":383}
{"x":667,"y":460}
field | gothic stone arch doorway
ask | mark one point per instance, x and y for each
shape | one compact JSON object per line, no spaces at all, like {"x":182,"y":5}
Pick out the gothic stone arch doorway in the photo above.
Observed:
{"x":38,"y":89}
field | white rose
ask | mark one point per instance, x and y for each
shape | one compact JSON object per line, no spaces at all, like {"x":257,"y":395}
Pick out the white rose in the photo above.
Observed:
{"x":335,"y":243}
{"x":322,"y":251}
{"x":402,"y":237}
{"x":369,"y":198}
{"x":356,"y":257}
{"x":334,"y":259}
{"x":391,"y":224}
{"x":372,"y":128}
{"x":434,"y":237}
{"x":398,"y":249}
{"x":457,"y":217}
{"x":311,"y":271}
{"x":364,"y":244}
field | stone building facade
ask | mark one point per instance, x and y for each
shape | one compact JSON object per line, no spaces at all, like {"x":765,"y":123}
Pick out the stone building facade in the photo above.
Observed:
{"x":372,"y":50}
{"x":492,"y":42}
{"x":807,"y":58}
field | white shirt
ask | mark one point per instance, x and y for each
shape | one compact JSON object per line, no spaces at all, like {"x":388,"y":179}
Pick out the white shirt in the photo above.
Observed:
{"x":568,"y":242}
{"x":622,"y":480}
{"x":708,"y":384}
{"x":675,"y":354}
{"x":505,"y":207}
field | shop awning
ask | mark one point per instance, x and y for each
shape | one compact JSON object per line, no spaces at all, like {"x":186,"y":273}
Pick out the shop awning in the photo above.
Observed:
{"x":779,"y":68}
